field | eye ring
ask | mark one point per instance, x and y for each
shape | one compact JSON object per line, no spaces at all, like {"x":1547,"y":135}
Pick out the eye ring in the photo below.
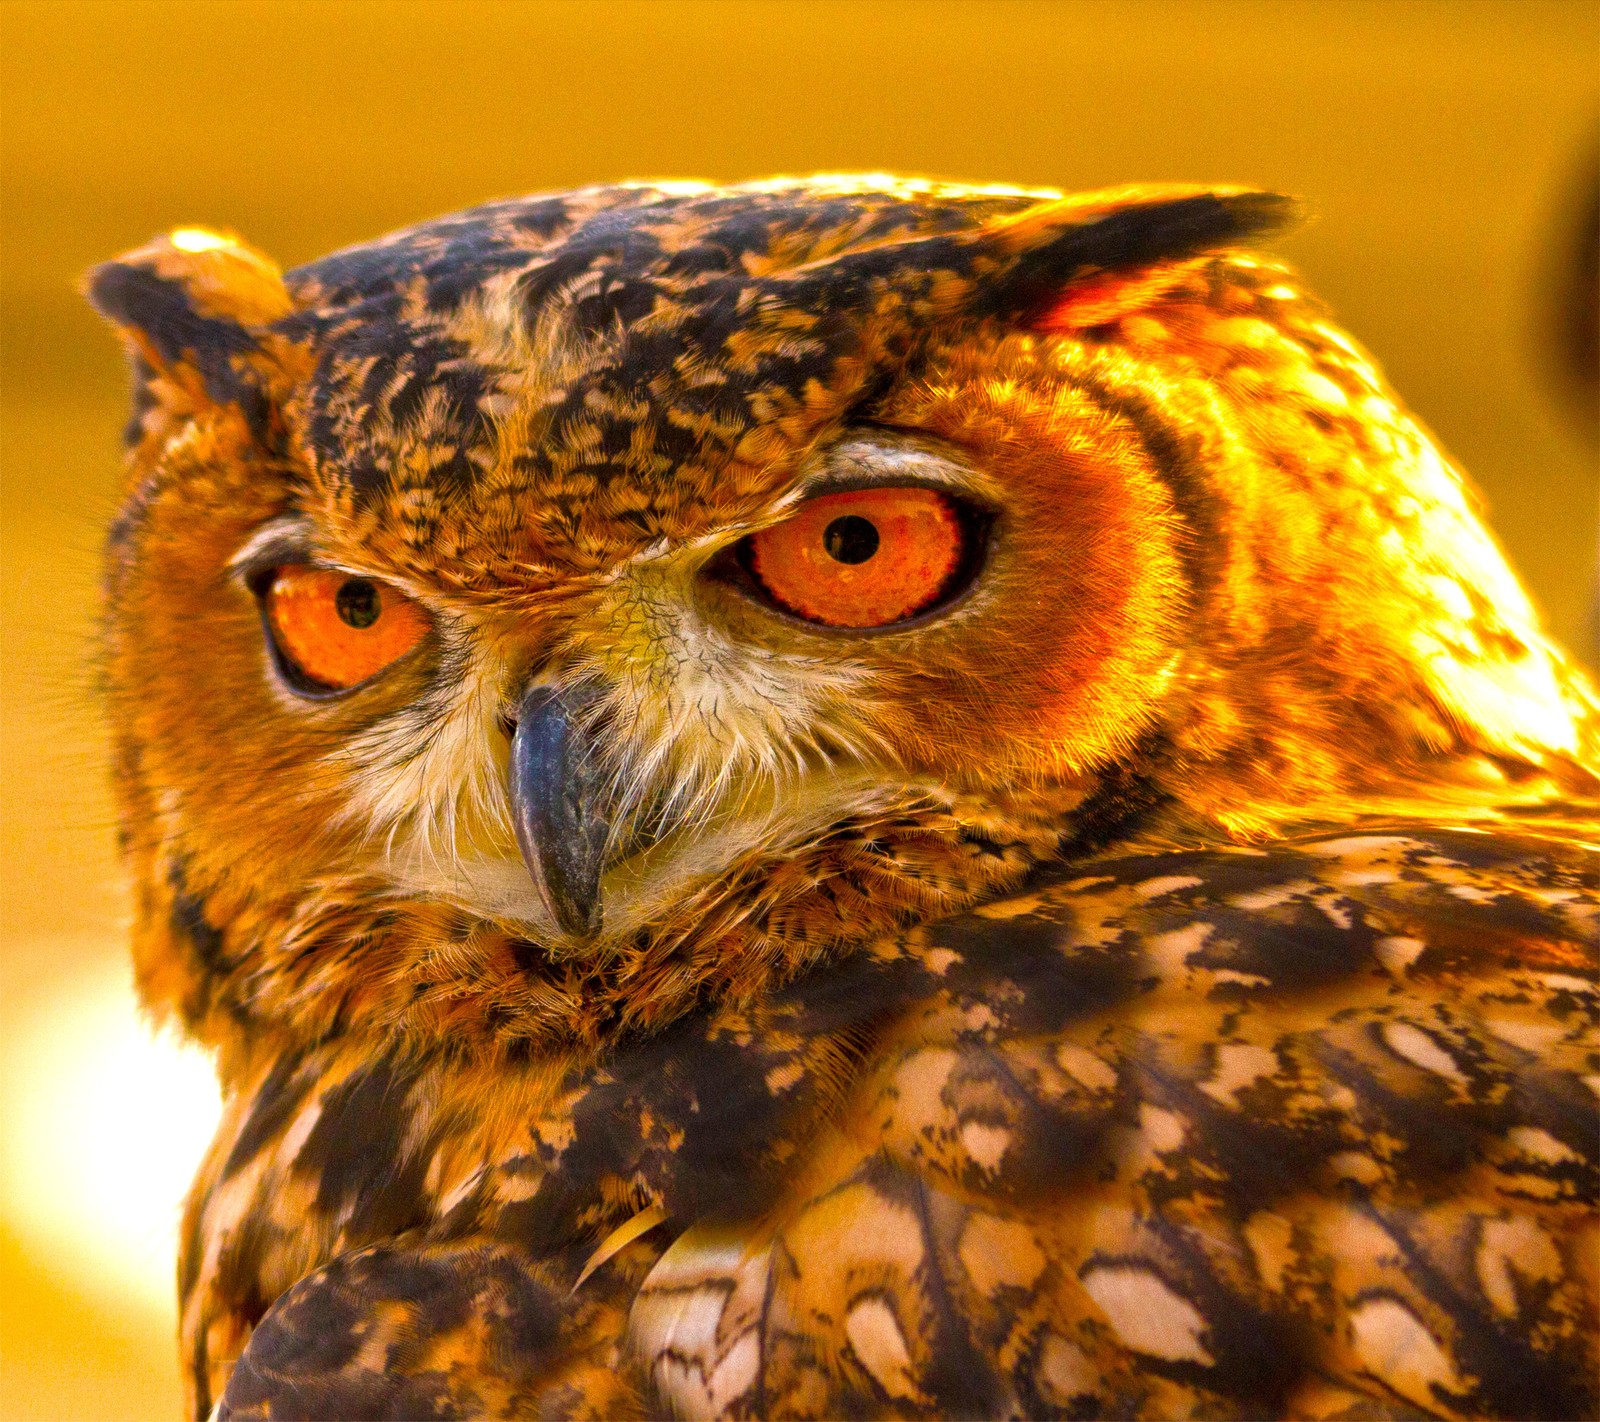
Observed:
{"x":865,"y":560}
{"x":330,"y":632}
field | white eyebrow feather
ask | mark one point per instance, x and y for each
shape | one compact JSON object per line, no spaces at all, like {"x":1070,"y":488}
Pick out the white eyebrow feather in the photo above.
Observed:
{"x":887,"y":457}
{"x":290,"y":537}
{"x":288,"y":531}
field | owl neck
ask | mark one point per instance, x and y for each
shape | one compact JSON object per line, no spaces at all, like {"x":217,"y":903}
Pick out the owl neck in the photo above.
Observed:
{"x":244,"y":971}
{"x":341,"y":960}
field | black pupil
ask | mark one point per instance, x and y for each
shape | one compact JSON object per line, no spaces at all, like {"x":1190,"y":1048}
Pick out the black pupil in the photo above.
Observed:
{"x":851,"y":539}
{"x":357,"y":603}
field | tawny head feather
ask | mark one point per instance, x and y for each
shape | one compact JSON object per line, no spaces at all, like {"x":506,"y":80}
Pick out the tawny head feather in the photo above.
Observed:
{"x":1218,"y":581}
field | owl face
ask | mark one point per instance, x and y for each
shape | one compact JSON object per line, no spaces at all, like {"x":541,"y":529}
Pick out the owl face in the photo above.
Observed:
{"x":652,"y":572}
{"x":575,"y":759}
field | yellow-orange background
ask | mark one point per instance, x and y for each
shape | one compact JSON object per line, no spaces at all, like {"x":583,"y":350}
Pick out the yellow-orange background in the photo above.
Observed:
{"x":1441,"y":148}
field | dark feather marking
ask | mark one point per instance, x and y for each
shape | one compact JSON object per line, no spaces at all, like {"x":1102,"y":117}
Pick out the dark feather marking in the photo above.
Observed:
{"x":1563,"y":1106}
{"x":140,"y":375}
{"x":190,"y":925}
{"x":1129,"y":238}
{"x":962,"y":1380}
{"x":161,"y":310}
{"x":1058,"y":983}
{"x":236,"y":1281}
{"x":355,"y":1153}
{"x":1513,"y":1379}
{"x":191,"y":1252}
{"x":1259,"y":1355}
{"x":297,"y":1364}
{"x":1437,"y":1137}
{"x":135,"y":297}
{"x":1257,"y":1155}
{"x":1305,"y":953}
{"x":1049,"y":1144}
{"x":276,"y":1100}
{"x":695,"y":1077}
{"x":1123,"y":799}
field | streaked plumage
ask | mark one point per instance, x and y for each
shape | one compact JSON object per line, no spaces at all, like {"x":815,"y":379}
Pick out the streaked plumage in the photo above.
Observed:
{"x":1155,"y":979}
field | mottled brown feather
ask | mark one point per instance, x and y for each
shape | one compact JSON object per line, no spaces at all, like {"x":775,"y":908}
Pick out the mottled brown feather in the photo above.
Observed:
{"x":1159,"y":983}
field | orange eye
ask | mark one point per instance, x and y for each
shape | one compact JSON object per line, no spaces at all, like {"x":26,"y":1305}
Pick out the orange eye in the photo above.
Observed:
{"x":336,"y":630}
{"x":865,"y":558}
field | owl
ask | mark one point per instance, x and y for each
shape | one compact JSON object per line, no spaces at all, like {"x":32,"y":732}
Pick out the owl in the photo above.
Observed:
{"x":844,"y":797}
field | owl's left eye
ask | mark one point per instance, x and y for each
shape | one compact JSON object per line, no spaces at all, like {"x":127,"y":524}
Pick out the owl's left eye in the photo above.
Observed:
{"x":331,"y":630}
{"x":866,"y":558}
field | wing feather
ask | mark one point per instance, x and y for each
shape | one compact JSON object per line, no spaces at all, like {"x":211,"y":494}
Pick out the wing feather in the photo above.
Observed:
{"x":1303,"y":1132}
{"x":1306,"y":1130}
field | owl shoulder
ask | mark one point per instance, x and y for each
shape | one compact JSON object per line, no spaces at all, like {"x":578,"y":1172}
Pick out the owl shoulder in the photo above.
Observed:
{"x":1272,"y":1131}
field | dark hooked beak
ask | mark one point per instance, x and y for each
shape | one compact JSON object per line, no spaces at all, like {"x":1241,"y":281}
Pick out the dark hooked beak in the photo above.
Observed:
{"x":558,"y":809}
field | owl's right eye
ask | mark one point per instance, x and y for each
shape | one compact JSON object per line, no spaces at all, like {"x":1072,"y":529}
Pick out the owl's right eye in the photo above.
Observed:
{"x":332,"y":630}
{"x":864,"y":558}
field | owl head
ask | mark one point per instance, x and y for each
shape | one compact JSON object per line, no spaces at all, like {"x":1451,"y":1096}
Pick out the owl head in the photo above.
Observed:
{"x":542,"y":618}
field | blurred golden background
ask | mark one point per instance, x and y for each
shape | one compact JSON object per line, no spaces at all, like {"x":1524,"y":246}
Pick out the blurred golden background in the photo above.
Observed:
{"x":1445,"y":150}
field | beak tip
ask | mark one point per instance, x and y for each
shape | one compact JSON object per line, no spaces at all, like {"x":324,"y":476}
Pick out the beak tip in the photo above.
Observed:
{"x":560,"y":827}
{"x":578,"y":918}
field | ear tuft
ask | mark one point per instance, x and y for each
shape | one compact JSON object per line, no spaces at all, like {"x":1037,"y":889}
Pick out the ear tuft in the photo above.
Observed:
{"x":194,"y":302}
{"x":1098,"y":238}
